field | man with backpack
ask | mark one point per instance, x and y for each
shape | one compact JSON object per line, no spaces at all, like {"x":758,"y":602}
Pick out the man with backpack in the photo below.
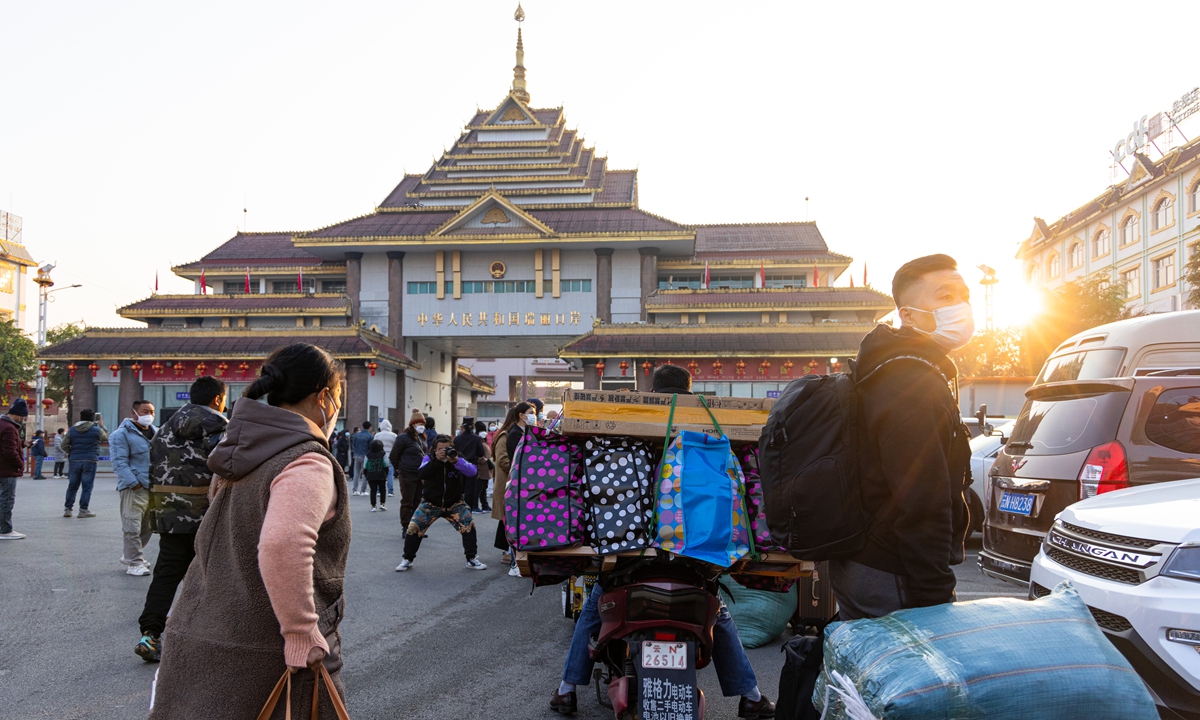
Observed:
{"x":915,"y":453}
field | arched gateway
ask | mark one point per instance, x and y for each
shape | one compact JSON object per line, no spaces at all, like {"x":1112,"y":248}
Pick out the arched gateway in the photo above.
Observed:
{"x":519,"y":242}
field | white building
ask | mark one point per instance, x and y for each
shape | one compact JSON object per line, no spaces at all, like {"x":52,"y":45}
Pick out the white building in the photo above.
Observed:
{"x":14,"y":274}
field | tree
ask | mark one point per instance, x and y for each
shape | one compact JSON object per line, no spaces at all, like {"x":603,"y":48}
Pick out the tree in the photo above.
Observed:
{"x":58,"y":382}
{"x":1191,"y":275}
{"x":16,"y":360}
{"x":994,"y":353}
{"x":1071,"y":309}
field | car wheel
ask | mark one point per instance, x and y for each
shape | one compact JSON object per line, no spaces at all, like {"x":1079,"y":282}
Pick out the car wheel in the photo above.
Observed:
{"x":976,"y":511}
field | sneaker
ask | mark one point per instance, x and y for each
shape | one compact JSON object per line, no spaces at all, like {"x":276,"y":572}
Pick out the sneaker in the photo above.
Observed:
{"x":514,"y":571}
{"x":374,"y":509}
{"x":66,"y":512}
{"x":86,"y":514}
{"x":12,"y":535}
{"x":404,"y":566}
{"x":138,"y":569}
{"x":474,"y":564}
{"x":149,"y":648}
{"x":383,"y":508}
{"x":391,"y":494}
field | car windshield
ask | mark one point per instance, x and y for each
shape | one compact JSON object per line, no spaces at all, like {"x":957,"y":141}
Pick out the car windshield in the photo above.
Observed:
{"x":1082,"y":365}
{"x":1059,"y":426}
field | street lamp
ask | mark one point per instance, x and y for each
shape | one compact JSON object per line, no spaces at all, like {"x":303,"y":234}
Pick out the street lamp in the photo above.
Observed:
{"x":988,"y":282}
{"x":44,"y":284}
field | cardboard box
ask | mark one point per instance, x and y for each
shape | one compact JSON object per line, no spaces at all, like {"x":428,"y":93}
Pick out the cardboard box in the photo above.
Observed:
{"x":644,"y":415}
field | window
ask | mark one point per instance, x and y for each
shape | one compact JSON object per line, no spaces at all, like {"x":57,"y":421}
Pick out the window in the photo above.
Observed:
{"x":1053,"y":267}
{"x":333,"y":286}
{"x":512,"y":286}
{"x":576,"y":285}
{"x":1194,"y":198}
{"x":1131,"y":280}
{"x":1162,"y":213}
{"x":1084,"y":365}
{"x":1129,"y":230}
{"x":1075,"y":256}
{"x":1032,"y":276}
{"x":1100,"y":243}
{"x":235,"y":288}
{"x":679,"y":282}
{"x":1164,"y":271}
{"x":422,"y":288}
{"x":1175,"y":420}
{"x":290,"y":286}
{"x":731,"y":281}
{"x":788,"y":281}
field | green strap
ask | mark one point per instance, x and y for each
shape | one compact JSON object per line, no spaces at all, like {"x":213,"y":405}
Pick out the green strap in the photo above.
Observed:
{"x":670,"y":421}
{"x":712,"y":417}
{"x":658,"y":472}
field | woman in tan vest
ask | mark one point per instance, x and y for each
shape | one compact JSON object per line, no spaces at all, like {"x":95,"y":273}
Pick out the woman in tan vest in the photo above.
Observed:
{"x":265,"y":590}
{"x":504,"y":442}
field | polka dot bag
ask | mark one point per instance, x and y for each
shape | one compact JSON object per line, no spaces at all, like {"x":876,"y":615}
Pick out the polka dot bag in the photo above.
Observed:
{"x":543,"y":505}
{"x":618,"y":489}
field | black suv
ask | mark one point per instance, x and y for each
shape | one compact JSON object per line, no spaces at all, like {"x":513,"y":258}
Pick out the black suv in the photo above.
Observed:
{"x":1076,"y":439}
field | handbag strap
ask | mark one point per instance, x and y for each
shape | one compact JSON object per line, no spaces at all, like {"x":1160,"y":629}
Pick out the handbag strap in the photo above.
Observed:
{"x":712,"y":417}
{"x":653,"y":529}
{"x":320,"y":672}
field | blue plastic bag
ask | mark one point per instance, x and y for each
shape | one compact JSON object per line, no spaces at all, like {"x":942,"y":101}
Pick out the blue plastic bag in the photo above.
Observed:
{"x":1000,"y":659}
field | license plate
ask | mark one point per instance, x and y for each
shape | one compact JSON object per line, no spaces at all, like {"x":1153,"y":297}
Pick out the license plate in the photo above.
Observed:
{"x":665,"y":656}
{"x":1016,"y":503}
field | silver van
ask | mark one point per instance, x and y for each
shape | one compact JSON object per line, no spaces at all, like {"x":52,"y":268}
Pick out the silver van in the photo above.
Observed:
{"x":1127,"y":348}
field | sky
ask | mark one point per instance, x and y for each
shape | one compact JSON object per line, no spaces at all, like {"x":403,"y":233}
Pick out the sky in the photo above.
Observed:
{"x":135,"y":133}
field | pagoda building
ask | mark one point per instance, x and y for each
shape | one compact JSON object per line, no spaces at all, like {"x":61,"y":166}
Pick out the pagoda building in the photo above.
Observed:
{"x":518,"y":242}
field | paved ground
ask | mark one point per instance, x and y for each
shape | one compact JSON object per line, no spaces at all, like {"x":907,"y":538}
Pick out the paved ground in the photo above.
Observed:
{"x":437,"y":642}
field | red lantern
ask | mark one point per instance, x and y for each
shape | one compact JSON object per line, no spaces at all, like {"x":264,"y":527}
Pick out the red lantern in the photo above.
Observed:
{"x":47,"y":402}
{"x":787,"y":367}
{"x":94,"y":368}
{"x":71,"y":368}
{"x":693,"y":367}
{"x":221,"y":369}
{"x":812,"y":367}
{"x":200,"y":368}
{"x":741,"y":367}
{"x":136,"y":367}
{"x":763,"y":367}
{"x":624,"y":366}
{"x":600,"y":368}
{"x":22,"y":387}
{"x":45,"y":369}
{"x":372,"y":366}
{"x":116,"y":368}
{"x":647,"y":367}
{"x":157,"y":367}
{"x":7,"y":387}
{"x":178,"y":369}
{"x":717,"y":365}
{"x":244,"y":367}
{"x":837,"y":367}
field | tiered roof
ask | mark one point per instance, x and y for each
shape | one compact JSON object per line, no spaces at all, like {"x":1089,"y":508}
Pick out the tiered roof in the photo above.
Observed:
{"x":707,"y":340}
{"x":253,"y":304}
{"x":818,"y":298}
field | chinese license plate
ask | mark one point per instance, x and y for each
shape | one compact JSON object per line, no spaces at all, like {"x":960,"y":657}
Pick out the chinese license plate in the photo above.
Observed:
{"x":664,"y":656}
{"x":1017,"y":503}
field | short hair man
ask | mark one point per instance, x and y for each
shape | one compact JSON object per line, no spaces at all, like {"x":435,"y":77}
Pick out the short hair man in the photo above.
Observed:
{"x":360,"y":444}
{"x":129,"y":447}
{"x":442,"y":474}
{"x":734,"y":671}
{"x":83,"y":451}
{"x":37,"y":448}
{"x":12,"y":464}
{"x":60,"y":455}
{"x":179,"y":480}
{"x":916,"y":459}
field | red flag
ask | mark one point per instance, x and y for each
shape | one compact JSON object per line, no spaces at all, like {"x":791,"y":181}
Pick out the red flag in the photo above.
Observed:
{"x":203,"y":284}
{"x":762,"y":272}
{"x":155,"y":282}
{"x":300,"y":279}
{"x":864,"y":274}
{"x":851,"y":281}
{"x":816,"y":276}
{"x":705,"y":274}
{"x":247,"y":279}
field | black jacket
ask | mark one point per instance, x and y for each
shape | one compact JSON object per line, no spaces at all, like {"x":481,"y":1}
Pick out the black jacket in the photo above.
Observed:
{"x":469,"y":445}
{"x":442,"y":483}
{"x":407,"y":453}
{"x":915,"y":463}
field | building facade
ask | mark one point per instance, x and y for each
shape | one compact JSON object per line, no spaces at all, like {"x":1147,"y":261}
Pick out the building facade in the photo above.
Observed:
{"x":15,"y":262}
{"x":519,"y":255}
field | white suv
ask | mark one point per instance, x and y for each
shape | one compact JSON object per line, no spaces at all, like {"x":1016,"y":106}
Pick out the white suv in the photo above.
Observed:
{"x":1134,"y":557}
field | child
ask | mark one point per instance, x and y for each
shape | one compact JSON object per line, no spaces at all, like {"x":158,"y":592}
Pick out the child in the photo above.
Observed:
{"x":376,"y":471}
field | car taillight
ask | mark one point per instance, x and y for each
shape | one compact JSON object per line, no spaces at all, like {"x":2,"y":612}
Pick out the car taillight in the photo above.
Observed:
{"x":1103,"y":471}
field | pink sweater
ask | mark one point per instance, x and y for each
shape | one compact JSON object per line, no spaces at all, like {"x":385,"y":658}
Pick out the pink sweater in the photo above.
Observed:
{"x":302,"y":499}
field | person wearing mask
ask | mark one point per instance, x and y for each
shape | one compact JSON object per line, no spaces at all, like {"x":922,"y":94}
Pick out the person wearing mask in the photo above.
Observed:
{"x":916,"y":459}
{"x":129,"y":447}
{"x":37,"y":448}
{"x":504,"y":444}
{"x":483,"y":480}
{"x":734,"y":671}
{"x":376,"y":471}
{"x":83,"y":452}
{"x":272,"y":549}
{"x":406,"y":457}
{"x":442,"y":474}
{"x":12,"y":464}
{"x":470,"y":448}
{"x":60,"y":454}
{"x":388,"y":438}
{"x":341,"y":449}
{"x":179,"y":483}
{"x":491,"y":434}
{"x":539,"y":408}
{"x":360,"y":442}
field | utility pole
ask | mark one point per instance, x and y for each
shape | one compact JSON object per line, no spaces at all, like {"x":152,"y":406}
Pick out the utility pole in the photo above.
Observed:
{"x":44,"y":284}
{"x":988,"y":282}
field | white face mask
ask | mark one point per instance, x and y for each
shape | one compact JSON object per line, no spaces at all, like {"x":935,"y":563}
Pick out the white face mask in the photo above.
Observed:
{"x":329,"y":421}
{"x":955,"y":325}
{"x":419,"y":428}
{"x":491,"y":428}
{"x":483,"y":433}
{"x":145,"y":420}
{"x":531,"y":419}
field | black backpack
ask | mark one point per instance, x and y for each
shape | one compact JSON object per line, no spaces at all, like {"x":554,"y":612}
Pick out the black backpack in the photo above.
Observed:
{"x":803,"y":658}
{"x":808,"y":460}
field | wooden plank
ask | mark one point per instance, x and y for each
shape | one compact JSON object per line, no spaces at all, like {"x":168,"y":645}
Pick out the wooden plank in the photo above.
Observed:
{"x":608,"y":562}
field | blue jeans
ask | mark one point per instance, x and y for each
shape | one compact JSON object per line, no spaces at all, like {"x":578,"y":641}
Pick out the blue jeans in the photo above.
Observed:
{"x":391,"y":487}
{"x":37,"y":465}
{"x":82,"y":472}
{"x":729,"y":657}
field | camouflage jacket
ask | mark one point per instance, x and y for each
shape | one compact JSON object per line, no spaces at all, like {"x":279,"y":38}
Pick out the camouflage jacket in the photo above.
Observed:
{"x":179,"y":474}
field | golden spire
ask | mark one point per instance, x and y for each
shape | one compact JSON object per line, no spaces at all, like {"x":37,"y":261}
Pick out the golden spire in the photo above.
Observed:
{"x":518,"y":86}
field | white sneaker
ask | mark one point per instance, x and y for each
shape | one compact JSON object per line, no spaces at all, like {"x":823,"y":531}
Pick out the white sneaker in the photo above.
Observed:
{"x":514,"y":571}
{"x":404,"y":566}
{"x":138,"y":570}
{"x":474,"y":564}
{"x":12,"y":535}
{"x":391,"y":494}
{"x":383,"y":508}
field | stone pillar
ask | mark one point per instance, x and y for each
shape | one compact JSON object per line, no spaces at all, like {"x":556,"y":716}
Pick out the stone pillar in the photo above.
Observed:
{"x":454,"y":419}
{"x":644,"y":382}
{"x":649,"y":275}
{"x":354,"y":288}
{"x":130,"y":390}
{"x":83,"y":389}
{"x":402,"y":408}
{"x":604,"y":284}
{"x":356,"y":393}
{"x":396,"y":300}
{"x":591,"y":378}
